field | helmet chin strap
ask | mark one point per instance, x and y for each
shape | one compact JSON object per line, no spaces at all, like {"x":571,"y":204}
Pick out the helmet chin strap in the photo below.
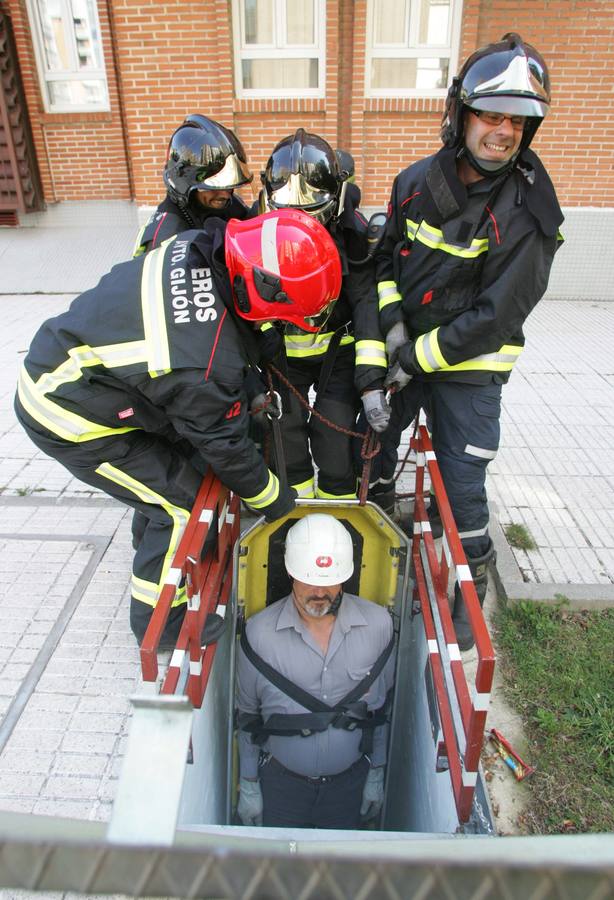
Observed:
{"x":485,"y":167}
{"x":334,"y":607}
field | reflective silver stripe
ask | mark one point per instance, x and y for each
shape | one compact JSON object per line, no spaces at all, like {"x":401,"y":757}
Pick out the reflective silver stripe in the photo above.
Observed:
{"x":387,"y":292}
{"x":266,"y":496}
{"x":482,"y":452}
{"x":478,"y":532}
{"x":179,"y":518}
{"x":110,"y":355}
{"x":370,"y":353}
{"x":312,"y":345}
{"x":154,"y":321}
{"x":305,"y":489}
{"x":66,"y":425}
{"x":434,"y":238}
{"x":145,"y":591}
{"x":268,"y":245}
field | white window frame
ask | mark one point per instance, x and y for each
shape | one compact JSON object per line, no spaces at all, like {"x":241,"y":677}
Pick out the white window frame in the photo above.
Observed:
{"x":278,"y":50}
{"x":409,"y":48}
{"x":47,"y":76}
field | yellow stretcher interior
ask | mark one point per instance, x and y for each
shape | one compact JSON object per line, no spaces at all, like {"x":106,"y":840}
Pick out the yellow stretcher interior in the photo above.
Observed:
{"x":261,"y":575}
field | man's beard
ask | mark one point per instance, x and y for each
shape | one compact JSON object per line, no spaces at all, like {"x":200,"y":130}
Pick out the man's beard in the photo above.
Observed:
{"x":321,"y":609}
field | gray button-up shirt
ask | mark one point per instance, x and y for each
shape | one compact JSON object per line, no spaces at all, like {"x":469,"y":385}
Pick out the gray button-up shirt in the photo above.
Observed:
{"x":279,"y":635}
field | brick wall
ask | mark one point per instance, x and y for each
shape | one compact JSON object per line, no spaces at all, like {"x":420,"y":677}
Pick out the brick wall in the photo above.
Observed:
{"x":166,"y":59}
{"x":81,"y":156}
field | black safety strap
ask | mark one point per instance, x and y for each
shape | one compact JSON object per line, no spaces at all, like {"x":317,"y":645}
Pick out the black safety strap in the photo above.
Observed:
{"x":349,"y":713}
{"x":329,"y":359}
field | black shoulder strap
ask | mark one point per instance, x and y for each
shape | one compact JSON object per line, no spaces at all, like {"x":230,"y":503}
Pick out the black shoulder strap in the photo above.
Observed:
{"x":293,"y":691}
{"x":329,"y":359}
{"x":280,"y":681}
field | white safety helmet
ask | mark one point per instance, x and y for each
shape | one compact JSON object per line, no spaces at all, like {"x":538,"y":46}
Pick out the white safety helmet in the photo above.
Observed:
{"x":319,"y":551}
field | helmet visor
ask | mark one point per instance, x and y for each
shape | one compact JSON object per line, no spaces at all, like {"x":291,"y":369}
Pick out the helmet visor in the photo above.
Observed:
{"x":232,"y":174}
{"x":317,"y":323}
{"x":511,"y":106}
{"x":292,"y":189}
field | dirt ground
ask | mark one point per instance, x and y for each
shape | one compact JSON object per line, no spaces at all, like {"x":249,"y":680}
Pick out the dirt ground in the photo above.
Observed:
{"x":508,"y":797}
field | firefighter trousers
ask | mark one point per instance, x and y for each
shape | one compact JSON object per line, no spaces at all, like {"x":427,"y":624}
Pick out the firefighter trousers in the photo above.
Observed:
{"x":307,"y":440}
{"x":464,"y":423}
{"x":156,"y":479}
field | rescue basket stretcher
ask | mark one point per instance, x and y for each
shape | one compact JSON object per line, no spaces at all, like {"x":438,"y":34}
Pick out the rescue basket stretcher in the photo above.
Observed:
{"x":438,"y":723}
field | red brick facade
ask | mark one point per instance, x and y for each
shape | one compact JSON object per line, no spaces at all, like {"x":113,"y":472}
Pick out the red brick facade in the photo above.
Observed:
{"x":165,"y":59}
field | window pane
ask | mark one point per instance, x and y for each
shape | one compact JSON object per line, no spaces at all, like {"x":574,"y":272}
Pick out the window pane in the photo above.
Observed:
{"x":57,"y":53}
{"x":300,"y":22}
{"x":426,"y":74}
{"x":389,"y":21}
{"x":434,"y":21}
{"x":258,"y":21}
{"x":87,"y":37}
{"x":263,"y":74}
{"x":77,"y":93}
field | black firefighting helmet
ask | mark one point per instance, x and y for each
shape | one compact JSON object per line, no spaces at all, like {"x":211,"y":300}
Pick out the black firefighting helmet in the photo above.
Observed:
{"x":203,"y":156}
{"x":507,"y":77}
{"x":303,"y":173}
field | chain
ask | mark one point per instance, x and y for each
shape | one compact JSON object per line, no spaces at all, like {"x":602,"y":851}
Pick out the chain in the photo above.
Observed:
{"x":370,"y":446}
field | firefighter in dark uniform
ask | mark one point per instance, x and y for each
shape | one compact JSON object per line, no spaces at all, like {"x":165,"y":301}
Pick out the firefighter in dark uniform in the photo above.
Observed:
{"x":205,"y":162}
{"x":471,"y":236}
{"x":346,"y":359}
{"x":155,"y":355}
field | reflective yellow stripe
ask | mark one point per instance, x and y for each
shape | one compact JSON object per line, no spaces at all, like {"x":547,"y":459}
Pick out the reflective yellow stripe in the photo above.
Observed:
{"x":177,"y":514}
{"x":67,"y":425}
{"x":501,"y":361}
{"x":267,"y":496}
{"x":388,"y":293}
{"x":298,"y":345}
{"x":305,"y":489}
{"x":154,"y":321}
{"x":112,"y":356}
{"x":138,"y":247}
{"x":431,"y":359}
{"x":371,"y":353}
{"x":434,"y":238}
{"x":429,"y":356}
{"x":266,"y":326}
{"x":323,"y":495}
{"x":148,"y":592}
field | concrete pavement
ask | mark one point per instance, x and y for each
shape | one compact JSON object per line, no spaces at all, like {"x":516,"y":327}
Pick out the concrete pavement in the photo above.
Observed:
{"x":67,"y":658}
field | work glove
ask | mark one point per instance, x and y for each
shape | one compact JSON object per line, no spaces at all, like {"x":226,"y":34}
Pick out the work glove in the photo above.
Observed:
{"x":251,"y":804}
{"x":373,"y":793}
{"x":270,"y":343}
{"x":400,"y":374}
{"x":264,"y":407}
{"x":377,"y":409}
{"x":397,"y":378}
{"x":395,"y":339}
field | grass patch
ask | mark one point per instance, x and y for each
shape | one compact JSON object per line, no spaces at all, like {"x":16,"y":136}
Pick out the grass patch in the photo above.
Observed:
{"x":558,"y":669}
{"x":520,"y":537}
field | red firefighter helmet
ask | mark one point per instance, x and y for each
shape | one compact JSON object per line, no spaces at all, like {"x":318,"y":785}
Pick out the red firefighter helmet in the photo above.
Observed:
{"x":283,"y":265}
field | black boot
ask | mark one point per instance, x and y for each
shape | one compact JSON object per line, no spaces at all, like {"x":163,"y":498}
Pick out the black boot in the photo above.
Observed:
{"x":478,"y":566}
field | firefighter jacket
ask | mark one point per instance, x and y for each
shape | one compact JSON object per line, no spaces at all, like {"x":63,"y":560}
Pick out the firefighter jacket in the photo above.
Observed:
{"x":154,"y":346}
{"x":355,"y":312}
{"x":464,"y":266}
{"x":168,"y":220}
